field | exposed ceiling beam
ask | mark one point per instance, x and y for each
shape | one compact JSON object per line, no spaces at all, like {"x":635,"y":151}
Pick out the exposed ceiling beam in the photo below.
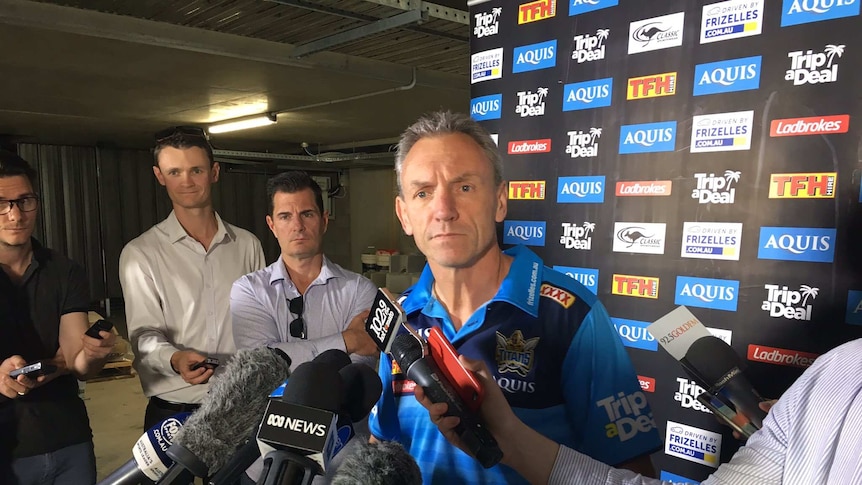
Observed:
{"x":434,"y":10}
{"x":382,"y":25}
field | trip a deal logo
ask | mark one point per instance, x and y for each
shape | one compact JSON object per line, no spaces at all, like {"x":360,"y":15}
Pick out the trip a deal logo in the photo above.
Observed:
{"x":529,"y":233}
{"x":813,"y":125}
{"x":802,"y":185}
{"x":651,"y":86}
{"x":527,"y":190}
{"x":588,"y":94}
{"x":486,"y":107}
{"x":577,"y":7}
{"x":692,"y":444}
{"x":795,"y":12}
{"x":648,"y":137}
{"x":533,"y":57}
{"x":535,"y":11}
{"x":816,"y":245}
{"x":731,"y":20}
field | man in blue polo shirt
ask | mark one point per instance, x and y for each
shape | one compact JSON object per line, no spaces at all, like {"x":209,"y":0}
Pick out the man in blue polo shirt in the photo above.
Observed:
{"x":548,"y":341}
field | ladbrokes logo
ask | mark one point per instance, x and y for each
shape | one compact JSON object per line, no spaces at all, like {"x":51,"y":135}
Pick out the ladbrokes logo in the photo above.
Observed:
{"x":644,"y":237}
{"x":524,"y":147}
{"x":589,"y":48}
{"x":773,"y":355}
{"x":652,"y":86}
{"x":486,"y":65}
{"x":637,"y":286}
{"x":487,"y":23}
{"x":535,"y":11}
{"x":731,"y":20}
{"x":645,"y":188}
{"x":814,"y":68}
{"x":530,"y":103}
{"x":626,"y":415}
{"x":581,"y":190}
{"x":802,"y":185}
{"x":692,"y":444}
{"x":797,"y":12}
{"x":815,"y":125}
{"x":578,"y":236}
{"x":727,"y":76}
{"x":816,"y":245}
{"x":527,"y":190}
{"x":583,"y":144}
{"x":716,"y":190}
{"x":722,"y":132}
{"x":686,"y":395}
{"x":656,"y":33}
{"x":789,"y":304}
{"x":647,"y":383}
{"x":711,"y":240}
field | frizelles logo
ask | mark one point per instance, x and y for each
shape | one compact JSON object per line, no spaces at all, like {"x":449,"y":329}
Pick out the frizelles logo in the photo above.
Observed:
{"x":533,"y":57}
{"x":584,"y":144}
{"x":797,"y":12}
{"x":777,"y":356}
{"x":581,"y":190}
{"x":656,"y":33}
{"x":525,"y":147}
{"x":577,"y":7}
{"x":634,"y":334}
{"x":637,"y":286}
{"x":535,"y":11}
{"x":707,"y":293}
{"x":639,"y":237}
{"x":486,"y":107}
{"x":588,"y":277}
{"x":588,"y":94}
{"x":648,"y":137}
{"x":814,"y":68}
{"x":530,"y":103}
{"x":816,"y":245}
{"x":692,"y":444}
{"x":644,"y":188}
{"x":530,"y":233}
{"x":711,"y":240}
{"x":814,"y":125}
{"x":722,"y":132}
{"x":577,"y":236}
{"x":731,"y":20}
{"x":716,"y":190}
{"x":527,"y":190}
{"x":487,"y":23}
{"x":651,"y":86}
{"x":589,"y":48}
{"x":854,"y":308}
{"x":728,"y":76}
{"x":802,"y":185}
{"x":486,"y":65}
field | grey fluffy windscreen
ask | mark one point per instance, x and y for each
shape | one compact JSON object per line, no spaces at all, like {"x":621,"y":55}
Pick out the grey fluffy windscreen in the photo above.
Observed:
{"x":381,"y":463}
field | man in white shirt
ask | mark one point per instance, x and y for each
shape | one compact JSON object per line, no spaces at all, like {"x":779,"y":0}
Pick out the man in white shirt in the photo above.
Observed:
{"x":177,"y":277}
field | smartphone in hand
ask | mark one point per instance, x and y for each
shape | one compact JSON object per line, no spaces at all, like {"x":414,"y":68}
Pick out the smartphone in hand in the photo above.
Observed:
{"x":209,"y":363}
{"x":446,"y":357}
{"x":34,"y":370}
{"x":95,"y":328}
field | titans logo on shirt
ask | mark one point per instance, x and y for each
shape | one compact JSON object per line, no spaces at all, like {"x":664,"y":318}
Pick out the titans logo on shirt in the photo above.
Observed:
{"x":515,"y":354}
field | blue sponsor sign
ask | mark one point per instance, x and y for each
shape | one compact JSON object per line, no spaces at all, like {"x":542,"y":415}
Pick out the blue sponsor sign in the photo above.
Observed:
{"x":634,"y":334}
{"x":534,"y":56}
{"x":581,"y":190}
{"x":797,"y":244}
{"x":741,"y":74}
{"x":588,"y":277}
{"x":588,"y":94}
{"x":795,"y":12}
{"x":529,"y":233}
{"x":486,"y":107}
{"x":648,"y":137}
{"x":674,"y":478}
{"x":854,"y":307}
{"x":577,"y":7}
{"x":707,"y":293}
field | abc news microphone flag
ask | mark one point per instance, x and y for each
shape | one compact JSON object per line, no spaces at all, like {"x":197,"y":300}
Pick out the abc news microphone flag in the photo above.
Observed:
{"x":693,"y":153}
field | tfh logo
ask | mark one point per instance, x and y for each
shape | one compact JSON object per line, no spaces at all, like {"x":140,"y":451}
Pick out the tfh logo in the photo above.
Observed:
{"x":639,"y":286}
{"x":802,"y":185}
{"x":535,"y":11}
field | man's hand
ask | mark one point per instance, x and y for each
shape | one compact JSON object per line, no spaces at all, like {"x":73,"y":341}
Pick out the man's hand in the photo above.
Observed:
{"x":15,"y":388}
{"x":766,"y":406}
{"x":95,"y":349}
{"x":356,"y":339}
{"x":183,"y":361}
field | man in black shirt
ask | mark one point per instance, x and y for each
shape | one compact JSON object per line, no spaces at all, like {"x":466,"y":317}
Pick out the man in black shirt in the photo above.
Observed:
{"x":45,"y":435}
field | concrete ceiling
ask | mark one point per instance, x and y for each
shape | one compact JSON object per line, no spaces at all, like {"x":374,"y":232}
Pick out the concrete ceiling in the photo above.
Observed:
{"x":86,"y":72}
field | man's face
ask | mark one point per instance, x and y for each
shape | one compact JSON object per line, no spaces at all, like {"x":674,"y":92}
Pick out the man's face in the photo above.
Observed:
{"x":16,"y":226}
{"x":297,"y":224}
{"x":450,"y":203}
{"x":187,"y":176}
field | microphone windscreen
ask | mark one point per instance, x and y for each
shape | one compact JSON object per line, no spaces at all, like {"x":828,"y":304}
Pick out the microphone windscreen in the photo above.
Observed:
{"x":712,"y":358}
{"x":335,"y":358}
{"x":315,"y":385}
{"x":362,"y":389}
{"x":380,"y":463}
{"x":232,"y":409}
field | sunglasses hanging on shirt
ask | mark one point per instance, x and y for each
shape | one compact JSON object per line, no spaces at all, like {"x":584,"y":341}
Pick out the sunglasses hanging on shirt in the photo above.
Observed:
{"x":297,"y":326}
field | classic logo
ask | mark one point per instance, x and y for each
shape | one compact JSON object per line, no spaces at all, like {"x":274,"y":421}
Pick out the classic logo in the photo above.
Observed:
{"x":588,"y":94}
{"x":577,"y":236}
{"x":707,"y":293}
{"x":814,"y":125}
{"x":814,"y":68}
{"x":692,"y":444}
{"x":486,"y":65}
{"x":533,"y":57}
{"x":722,"y":132}
{"x":648,"y":137}
{"x":731,"y":20}
{"x":589,"y":48}
{"x":525,"y":147}
{"x":651,"y":86}
{"x":637,"y":286}
{"x":802,"y":185}
{"x":815,"y":245}
{"x":559,"y":295}
{"x":527,"y":190}
{"x":778,"y":356}
{"x":793,"y":305}
{"x":686,"y":395}
{"x":530,"y":103}
{"x":535,"y":11}
{"x":627,"y":415}
{"x":645,"y":188}
{"x":530,"y":233}
{"x":716,"y":190}
{"x":639,"y":237}
{"x":581,"y":190}
{"x":486,"y":107}
{"x":583,"y":144}
{"x":487,"y":23}
{"x":854,"y":308}
{"x":633,"y":333}
{"x":577,"y":7}
{"x":711,"y":240}
{"x":797,"y":12}
{"x":656,"y":33}
{"x":589,"y":277}
{"x":647,"y":383}
{"x":728,"y":76}
{"x":515,"y":354}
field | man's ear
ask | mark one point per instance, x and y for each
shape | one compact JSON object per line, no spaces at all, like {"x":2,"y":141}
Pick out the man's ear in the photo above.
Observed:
{"x":325,"y":221}
{"x":159,"y":176}
{"x":215,"y":170}
{"x":502,"y":203}
{"x":401,"y":212}
{"x":271,"y":224}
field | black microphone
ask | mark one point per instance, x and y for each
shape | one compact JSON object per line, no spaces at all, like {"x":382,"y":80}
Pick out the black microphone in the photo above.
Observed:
{"x":381,"y":463}
{"x":150,"y":460}
{"x":408,"y":353}
{"x":714,"y":363}
{"x":362,"y":389}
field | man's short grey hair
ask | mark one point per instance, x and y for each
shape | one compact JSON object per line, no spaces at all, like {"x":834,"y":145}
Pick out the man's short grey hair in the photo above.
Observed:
{"x":442,"y":123}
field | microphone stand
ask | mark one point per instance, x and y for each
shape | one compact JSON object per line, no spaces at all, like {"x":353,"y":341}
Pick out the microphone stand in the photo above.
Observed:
{"x":288,"y":468}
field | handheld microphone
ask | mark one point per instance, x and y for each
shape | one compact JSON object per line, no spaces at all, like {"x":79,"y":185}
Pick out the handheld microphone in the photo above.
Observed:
{"x":381,"y":463}
{"x":408,"y":352}
{"x":384,"y":320}
{"x":149,"y":457}
{"x":362,"y":389}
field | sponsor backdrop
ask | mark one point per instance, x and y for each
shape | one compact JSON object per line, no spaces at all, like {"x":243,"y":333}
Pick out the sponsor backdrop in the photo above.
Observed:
{"x":690,"y":153}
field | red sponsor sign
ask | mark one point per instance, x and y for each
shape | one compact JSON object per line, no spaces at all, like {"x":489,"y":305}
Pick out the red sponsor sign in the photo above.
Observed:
{"x":815,"y":125}
{"x":774,"y":355}
{"x":523,"y":147}
{"x":647,"y":383}
{"x":405,"y":386}
{"x":644,"y":188}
